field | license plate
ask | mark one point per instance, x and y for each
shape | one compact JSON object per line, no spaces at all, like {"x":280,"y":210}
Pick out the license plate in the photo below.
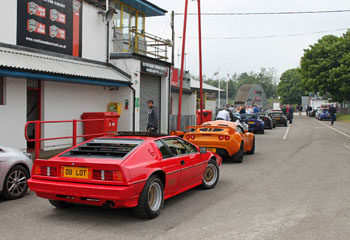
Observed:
{"x":212,"y":150}
{"x":250,"y":122}
{"x":278,"y":118}
{"x":76,"y":172}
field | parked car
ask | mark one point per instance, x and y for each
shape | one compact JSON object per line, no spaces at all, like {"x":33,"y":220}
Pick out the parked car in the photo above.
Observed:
{"x":314,"y":111}
{"x":256,"y":125}
{"x":129,"y":171}
{"x":323,"y":114}
{"x":227,"y":139}
{"x":278,"y":117}
{"x":15,"y":167}
{"x":268,"y":122}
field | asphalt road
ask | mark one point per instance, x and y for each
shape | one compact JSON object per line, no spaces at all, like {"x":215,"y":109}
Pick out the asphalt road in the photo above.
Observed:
{"x":296,"y":186}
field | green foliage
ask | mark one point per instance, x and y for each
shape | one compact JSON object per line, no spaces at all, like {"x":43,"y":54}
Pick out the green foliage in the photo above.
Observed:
{"x":264,"y":78}
{"x":325,"y":67}
{"x":290,"y":88}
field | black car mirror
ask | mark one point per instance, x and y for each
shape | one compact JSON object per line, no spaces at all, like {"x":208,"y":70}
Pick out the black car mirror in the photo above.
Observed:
{"x":203,"y":150}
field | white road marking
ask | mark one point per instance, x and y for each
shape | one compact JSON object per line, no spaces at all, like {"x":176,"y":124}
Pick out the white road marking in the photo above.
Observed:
{"x":286,"y":134}
{"x":346,"y":135}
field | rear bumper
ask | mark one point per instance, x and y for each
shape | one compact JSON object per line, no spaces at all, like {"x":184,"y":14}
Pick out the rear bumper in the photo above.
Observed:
{"x":121,"y":196}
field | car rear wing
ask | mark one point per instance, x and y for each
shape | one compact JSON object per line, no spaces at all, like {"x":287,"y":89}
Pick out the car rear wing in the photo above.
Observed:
{"x":230,"y":129}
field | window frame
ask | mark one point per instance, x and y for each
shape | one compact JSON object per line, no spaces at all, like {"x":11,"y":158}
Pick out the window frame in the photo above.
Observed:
{"x":167,"y":148}
{"x":177,"y":139}
{"x":183,"y":141}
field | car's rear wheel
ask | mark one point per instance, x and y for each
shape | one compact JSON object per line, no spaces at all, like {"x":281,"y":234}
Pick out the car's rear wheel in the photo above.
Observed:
{"x":238,"y":157}
{"x":252,"y":150}
{"x":15,"y":184}
{"x":60,"y":204}
{"x":151,"y":199}
{"x":285,"y":124}
{"x":211,"y":175}
{"x":262,"y":131}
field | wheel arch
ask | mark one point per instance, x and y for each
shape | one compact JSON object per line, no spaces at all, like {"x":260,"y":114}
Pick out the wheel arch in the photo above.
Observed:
{"x":161,"y":175}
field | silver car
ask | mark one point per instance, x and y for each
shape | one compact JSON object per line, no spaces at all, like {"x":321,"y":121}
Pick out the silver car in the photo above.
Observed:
{"x":15,"y":167}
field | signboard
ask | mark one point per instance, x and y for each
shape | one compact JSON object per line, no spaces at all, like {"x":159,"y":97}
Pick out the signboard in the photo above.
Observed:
{"x":174,"y":77}
{"x":154,"y":69}
{"x":51,"y":25}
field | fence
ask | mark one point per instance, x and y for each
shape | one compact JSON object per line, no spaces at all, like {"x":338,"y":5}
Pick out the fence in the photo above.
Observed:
{"x":186,"y":120}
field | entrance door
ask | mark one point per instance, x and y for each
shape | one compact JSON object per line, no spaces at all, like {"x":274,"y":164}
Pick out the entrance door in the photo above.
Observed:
{"x":150,"y":90}
{"x":33,"y":107}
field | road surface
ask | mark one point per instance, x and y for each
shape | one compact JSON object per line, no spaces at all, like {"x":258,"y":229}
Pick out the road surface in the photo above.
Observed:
{"x":296,"y":186}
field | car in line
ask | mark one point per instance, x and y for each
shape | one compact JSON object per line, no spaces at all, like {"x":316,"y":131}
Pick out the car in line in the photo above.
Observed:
{"x":132,"y":170}
{"x":15,"y":167}
{"x":228,"y":139}
{"x":279,"y":117}
{"x":323,"y":114}
{"x":255,"y":123}
{"x":269,"y":123}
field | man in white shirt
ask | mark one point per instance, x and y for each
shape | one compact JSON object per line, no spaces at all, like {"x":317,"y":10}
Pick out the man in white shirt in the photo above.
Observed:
{"x":223,"y":115}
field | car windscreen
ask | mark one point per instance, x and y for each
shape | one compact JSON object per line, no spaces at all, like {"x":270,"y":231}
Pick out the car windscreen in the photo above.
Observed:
{"x":248,"y":116}
{"x":105,"y":148}
{"x":277,"y":114}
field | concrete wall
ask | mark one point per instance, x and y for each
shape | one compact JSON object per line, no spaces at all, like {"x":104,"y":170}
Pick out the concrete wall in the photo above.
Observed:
{"x":64,"y":101}
{"x":8,"y":21}
{"x":13,"y":113}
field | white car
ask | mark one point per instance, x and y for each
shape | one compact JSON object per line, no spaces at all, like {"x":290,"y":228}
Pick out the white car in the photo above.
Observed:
{"x":15,"y":167}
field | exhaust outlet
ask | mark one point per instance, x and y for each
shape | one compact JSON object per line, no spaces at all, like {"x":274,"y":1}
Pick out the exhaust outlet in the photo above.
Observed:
{"x":109,"y":204}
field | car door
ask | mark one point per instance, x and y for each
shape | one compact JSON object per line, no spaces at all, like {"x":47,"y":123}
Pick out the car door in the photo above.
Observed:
{"x":184,"y":158}
{"x":172,"y":167}
{"x":246,"y":139}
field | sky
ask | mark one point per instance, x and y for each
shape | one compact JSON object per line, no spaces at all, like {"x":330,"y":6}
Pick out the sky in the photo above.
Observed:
{"x":246,"y":55}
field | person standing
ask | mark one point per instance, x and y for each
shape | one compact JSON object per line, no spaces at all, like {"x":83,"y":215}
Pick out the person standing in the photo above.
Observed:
{"x":290,"y":113}
{"x":152,"y":125}
{"x":223,"y":115}
{"x":242,"y":111}
{"x":301,"y":110}
{"x":307,"y":110}
{"x":332,"y":111}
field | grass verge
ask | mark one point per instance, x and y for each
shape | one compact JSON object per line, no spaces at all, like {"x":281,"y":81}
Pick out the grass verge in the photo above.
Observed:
{"x":343,"y":117}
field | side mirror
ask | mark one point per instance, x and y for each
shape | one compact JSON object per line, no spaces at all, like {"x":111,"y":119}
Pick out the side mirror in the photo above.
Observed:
{"x":203,"y":150}
{"x":245,"y":127}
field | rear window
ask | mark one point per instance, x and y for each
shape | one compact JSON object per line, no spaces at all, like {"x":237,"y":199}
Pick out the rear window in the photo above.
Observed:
{"x":105,"y":148}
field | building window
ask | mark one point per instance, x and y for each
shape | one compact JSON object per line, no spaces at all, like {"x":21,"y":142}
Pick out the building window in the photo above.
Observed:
{"x":118,"y":16}
{"x":140,"y":22}
{"x":2,"y":91}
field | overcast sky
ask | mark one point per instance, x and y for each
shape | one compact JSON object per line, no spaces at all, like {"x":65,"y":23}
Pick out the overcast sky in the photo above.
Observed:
{"x":245,"y":55}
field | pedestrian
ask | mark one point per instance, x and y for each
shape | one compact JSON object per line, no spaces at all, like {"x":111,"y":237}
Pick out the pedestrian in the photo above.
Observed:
{"x":301,"y":110}
{"x":307,"y":110}
{"x":332,"y":110}
{"x":223,"y":114}
{"x":152,"y":125}
{"x":290,"y":110}
{"x":242,"y":111}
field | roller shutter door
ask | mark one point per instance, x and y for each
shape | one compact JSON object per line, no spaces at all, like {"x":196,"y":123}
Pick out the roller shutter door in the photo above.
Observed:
{"x":150,"y":89}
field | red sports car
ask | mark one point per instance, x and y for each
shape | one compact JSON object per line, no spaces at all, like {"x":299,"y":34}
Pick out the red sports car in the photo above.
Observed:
{"x":137,"y":172}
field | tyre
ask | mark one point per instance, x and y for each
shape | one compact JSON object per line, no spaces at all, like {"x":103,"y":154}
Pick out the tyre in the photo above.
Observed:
{"x":211,"y":175}
{"x":262,"y":131}
{"x":252,"y":151}
{"x":286,"y":124}
{"x":60,"y":204}
{"x":274,"y":125}
{"x":151,"y":199}
{"x":238,"y":157}
{"x":15,"y":184}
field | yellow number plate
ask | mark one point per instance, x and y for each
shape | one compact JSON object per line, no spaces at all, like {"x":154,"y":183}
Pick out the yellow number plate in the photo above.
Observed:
{"x":278,"y":118}
{"x":75,"y":172}
{"x":250,"y":122}
{"x":212,"y":150}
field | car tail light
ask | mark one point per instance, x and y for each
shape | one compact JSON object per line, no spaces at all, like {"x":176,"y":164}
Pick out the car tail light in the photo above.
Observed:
{"x":188,"y":137}
{"x":107,"y":175}
{"x":221,"y":137}
{"x":227,"y":138}
{"x":46,"y":171}
{"x":193,"y":137}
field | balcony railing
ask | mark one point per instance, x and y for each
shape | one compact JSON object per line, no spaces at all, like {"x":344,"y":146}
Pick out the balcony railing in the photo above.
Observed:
{"x":142,"y":43}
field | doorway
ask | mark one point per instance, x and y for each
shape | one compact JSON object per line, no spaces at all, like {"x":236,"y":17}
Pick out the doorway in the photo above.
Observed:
{"x":33,"y":107}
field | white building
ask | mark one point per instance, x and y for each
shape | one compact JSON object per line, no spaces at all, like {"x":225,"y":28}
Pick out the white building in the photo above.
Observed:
{"x":59,"y":59}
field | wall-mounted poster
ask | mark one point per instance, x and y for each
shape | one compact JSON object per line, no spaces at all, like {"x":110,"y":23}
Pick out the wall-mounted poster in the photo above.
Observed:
{"x":52,"y":25}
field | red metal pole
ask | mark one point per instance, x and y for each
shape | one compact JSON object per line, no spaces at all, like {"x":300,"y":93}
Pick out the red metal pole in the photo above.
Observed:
{"x":74,"y":132}
{"x":200,"y":60}
{"x":182,"y":67}
{"x":37,"y":139}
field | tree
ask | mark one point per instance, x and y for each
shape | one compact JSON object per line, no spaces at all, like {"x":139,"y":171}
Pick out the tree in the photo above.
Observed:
{"x":325,"y":67}
{"x":290,"y":88}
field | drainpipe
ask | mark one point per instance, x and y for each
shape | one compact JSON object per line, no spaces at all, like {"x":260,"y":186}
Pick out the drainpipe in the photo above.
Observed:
{"x":107,"y":8}
{"x":134,"y":107}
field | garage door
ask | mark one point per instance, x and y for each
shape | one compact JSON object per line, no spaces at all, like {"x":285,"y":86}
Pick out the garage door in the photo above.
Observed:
{"x":150,"y":89}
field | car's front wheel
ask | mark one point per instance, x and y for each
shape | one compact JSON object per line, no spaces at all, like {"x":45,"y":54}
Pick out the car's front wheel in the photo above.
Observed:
{"x":15,"y":184}
{"x":211,"y":175}
{"x":151,"y":199}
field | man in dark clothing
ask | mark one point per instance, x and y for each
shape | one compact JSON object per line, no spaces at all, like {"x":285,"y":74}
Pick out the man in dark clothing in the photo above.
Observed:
{"x":290,"y":111}
{"x":242,"y":111}
{"x":152,"y":125}
{"x":332,"y":110}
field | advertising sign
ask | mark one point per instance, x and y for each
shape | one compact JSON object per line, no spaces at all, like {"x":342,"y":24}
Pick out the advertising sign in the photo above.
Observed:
{"x":174,"y":77}
{"x":51,"y":25}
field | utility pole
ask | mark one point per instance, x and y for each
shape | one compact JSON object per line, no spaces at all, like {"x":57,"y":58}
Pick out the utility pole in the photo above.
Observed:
{"x":173,"y":38}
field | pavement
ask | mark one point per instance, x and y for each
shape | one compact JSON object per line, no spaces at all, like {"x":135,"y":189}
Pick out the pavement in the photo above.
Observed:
{"x":296,"y":186}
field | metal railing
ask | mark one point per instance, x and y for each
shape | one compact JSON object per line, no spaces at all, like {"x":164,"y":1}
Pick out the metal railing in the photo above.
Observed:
{"x":38,"y":139}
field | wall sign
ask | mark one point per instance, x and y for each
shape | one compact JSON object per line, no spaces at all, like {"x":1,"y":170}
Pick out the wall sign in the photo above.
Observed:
{"x":174,"y":77}
{"x":52,"y":25}
{"x":154,"y":69}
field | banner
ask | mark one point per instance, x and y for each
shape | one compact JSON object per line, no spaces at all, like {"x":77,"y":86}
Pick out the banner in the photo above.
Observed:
{"x":51,"y":25}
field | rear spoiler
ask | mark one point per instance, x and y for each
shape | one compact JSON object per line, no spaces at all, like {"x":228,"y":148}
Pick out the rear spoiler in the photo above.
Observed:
{"x":231,"y":130}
